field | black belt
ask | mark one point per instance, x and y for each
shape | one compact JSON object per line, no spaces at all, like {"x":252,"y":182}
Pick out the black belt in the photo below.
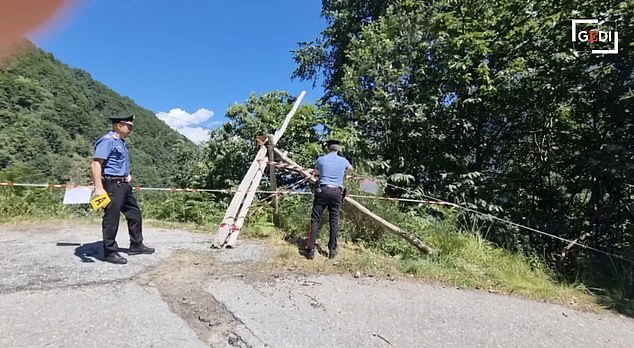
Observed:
{"x":117,"y":179}
{"x":330,"y":186}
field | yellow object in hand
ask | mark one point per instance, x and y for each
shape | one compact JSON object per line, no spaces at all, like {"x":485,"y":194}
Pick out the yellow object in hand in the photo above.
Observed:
{"x":100,"y":201}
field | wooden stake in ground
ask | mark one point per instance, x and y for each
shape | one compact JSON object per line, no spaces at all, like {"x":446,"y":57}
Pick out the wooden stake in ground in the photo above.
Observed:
{"x":228,"y":226}
{"x":411,"y":238}
{"x":272,"y":175}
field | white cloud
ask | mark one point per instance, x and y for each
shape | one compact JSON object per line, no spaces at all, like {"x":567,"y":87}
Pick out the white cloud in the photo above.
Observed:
{"x":185,"y":123}
{"x":196,"y":134}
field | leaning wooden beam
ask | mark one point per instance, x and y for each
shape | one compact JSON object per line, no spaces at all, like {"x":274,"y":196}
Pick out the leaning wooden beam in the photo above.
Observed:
{"x":294,"y":166}
{"x":234,"y":217}
{"x":248,"y":200}
{"x":278,"y":134}
{"x":227,"y":224}
{"x":411,"y":238}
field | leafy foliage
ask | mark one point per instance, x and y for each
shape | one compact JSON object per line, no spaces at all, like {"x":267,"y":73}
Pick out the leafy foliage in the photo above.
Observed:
{"x":231,"y":149}
{"x":486,"y":103}
{"x":193,"y":207}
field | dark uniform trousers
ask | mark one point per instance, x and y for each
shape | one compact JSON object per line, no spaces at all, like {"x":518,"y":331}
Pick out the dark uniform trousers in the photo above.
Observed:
{"x":326,"y":197}
{"x":121,"y":200}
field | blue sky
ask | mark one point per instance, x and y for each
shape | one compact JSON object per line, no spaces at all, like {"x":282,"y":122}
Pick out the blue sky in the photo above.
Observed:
{"x":186,"y":60}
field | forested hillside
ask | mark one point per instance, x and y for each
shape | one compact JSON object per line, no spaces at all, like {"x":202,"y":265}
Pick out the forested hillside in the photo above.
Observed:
{"x":51,"y":114}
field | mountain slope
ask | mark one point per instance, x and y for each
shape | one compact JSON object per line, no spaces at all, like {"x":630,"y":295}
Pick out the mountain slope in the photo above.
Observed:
{"x":51,"y":114}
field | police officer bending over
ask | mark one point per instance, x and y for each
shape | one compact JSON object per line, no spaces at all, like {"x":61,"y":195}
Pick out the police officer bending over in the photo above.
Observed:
{"x":111,"y":174}
{"x":329,"y":194}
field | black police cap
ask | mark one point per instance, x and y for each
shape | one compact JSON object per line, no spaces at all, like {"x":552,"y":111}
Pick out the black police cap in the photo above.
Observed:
{"x":122,"y":118}
{"x":332,"y":142}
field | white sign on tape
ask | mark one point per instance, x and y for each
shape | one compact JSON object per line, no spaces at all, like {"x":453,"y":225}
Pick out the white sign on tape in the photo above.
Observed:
{"x":369,"y":186}
{"x":78,"y":195}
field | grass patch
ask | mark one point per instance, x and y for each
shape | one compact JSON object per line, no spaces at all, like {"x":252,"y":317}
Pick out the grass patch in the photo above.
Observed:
{"x":460,"y":259}
{"x":498,"y":272}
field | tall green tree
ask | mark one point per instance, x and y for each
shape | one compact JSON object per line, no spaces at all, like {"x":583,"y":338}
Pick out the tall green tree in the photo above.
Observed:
{"x":232,"y":148}
{"x":486,"y":103}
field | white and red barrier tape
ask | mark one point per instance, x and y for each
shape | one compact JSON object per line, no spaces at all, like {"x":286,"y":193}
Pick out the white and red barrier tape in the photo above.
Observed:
{"x":281,"y":192}
{"x":143,"y":188}
{"x":36,"y":185}
{"x":230,"y":191}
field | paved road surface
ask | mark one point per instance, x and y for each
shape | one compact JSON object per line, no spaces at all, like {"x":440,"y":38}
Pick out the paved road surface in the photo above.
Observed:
{"x":54,"y":292}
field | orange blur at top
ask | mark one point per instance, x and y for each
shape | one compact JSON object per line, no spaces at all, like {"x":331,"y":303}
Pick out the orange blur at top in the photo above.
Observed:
{"x":19,"y":17}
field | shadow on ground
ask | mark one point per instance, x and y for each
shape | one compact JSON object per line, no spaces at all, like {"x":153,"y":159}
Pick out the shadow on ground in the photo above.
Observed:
{"x":90,"y":251}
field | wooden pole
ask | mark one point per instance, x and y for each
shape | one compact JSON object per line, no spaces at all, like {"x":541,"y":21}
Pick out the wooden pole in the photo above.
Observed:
{"x":234,"y":217}
{"x":227,"y":224}
{"x":248,"y":200}
{"x":411,"y":238}
{"x":278,"y":134}
{"x":272,"y":174}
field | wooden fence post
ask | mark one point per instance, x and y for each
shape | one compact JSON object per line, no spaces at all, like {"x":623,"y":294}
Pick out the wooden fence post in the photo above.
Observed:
{"x":272,"y":174}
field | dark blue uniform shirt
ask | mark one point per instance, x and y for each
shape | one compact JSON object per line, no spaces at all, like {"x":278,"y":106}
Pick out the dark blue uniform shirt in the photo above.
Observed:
{"x":114,"y":151}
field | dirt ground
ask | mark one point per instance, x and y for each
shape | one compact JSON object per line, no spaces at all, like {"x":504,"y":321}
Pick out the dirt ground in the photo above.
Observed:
{"x":182,"y":280}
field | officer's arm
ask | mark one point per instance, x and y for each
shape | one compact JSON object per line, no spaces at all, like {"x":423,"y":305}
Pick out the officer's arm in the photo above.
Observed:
{"x":350,"y":167}
{"x":314,"y":174}
{"x":315,"y":171}
{"x":96,"y":166}
{"x":103,"y":149}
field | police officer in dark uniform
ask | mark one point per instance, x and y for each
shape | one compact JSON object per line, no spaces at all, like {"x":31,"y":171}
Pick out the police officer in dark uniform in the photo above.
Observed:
{"x":331,"y":169}
{"x":111,"y":174}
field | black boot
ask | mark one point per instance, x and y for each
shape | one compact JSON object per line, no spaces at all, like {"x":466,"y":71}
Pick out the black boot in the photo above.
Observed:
{"x":140,"y":249}
{"x":308,"y":253}
{"x":332,"y":253}
{"x":115,"y":258}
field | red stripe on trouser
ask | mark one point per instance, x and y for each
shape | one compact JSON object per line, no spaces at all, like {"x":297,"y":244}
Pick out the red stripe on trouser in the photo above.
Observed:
{"x":310,"y":231}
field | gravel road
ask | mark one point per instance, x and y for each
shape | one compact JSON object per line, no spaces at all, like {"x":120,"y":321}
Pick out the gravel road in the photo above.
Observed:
{"x":54,"y":292}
